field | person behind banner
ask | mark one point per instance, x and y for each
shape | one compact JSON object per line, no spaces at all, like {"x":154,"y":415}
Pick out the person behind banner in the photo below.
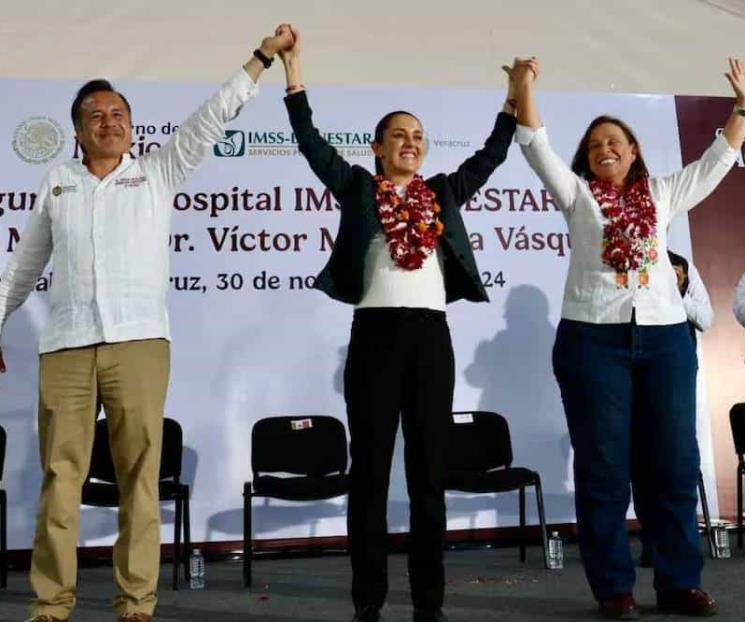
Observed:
{"x":699,"y":315}
{"x":105,"y":223}
{"x":400,"y":255}
{"x":696,"y":301}
{"x":623,"y":356}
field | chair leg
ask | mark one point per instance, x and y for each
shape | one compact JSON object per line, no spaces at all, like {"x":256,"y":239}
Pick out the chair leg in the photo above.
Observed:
{"x":347,"y":545}
{"x":522,"y":523}
{"x":542,"y":518}
{"x":177,"y":540}
{"x":187,"y":532}
{"x":739,"y":506}
{"x":3,"y":540}
{"x":707,"y":516}
{"x":247,"y":535}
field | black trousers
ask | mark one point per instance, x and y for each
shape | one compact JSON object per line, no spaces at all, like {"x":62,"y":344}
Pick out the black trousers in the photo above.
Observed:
{"x":400,"y":363}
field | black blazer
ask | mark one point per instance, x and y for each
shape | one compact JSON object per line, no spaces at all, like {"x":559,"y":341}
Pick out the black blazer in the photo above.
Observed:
{"x":354,"y":189}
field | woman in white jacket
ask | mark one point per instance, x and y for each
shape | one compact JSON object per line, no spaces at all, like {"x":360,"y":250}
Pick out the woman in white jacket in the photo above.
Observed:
{"x":623,"y":355}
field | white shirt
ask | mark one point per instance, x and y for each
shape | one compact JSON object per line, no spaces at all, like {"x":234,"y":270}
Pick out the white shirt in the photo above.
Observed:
{"x":385,"y":284}
{"x":108,"y":238}
{"x":696,"y":301}
{"x":739,"y":305}
{"x":591,"y":293}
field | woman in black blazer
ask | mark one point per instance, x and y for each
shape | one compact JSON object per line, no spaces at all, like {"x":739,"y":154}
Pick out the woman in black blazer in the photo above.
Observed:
{"x":401,"y":253}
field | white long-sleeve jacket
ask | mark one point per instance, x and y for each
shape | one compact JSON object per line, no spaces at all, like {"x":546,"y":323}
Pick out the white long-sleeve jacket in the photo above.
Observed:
{"x":108,"y":238}
{"x":591,"y":293}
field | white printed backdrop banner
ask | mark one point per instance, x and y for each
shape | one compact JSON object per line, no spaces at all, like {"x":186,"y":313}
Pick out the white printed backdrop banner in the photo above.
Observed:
{"x":251,"y":339}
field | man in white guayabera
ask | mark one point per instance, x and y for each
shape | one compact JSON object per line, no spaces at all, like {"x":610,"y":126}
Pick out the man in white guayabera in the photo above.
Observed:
{"x":105,"y":223}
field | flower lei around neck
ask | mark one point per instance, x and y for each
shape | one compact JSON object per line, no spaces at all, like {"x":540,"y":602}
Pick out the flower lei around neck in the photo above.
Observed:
{"x":630,"y":231}
{"x":410,"y":224}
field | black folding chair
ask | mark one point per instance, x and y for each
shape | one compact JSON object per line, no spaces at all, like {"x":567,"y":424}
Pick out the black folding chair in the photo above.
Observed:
{"x":710,"y":544}
{"x":737,"y":423}
{"x":479,"y":460}
{"x":100,"y":488}
{"x":313,"y":449}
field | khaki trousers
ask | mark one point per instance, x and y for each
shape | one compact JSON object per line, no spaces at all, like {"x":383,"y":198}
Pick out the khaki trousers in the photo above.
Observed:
{"x":130,"y":380}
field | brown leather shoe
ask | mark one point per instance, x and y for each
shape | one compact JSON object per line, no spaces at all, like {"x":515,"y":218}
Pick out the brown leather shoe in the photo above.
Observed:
{"x":619,"y":607}
{"x":691,"y":602}
{"x":135,"y":616}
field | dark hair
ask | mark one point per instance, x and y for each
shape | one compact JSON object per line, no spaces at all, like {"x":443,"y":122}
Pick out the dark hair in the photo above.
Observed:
{"x":581,"y":162}
{"x":93,"y":86}
{"x":678,"y":260}
{"x":380,"y":129}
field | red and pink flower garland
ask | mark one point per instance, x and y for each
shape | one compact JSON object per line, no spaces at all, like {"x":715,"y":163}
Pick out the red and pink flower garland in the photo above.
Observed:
{"x":630,"y":231}
{"x":410,"y":224}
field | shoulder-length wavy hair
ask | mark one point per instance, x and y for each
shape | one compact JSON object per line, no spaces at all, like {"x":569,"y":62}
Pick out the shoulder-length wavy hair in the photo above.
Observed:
{"x":581,"y":162}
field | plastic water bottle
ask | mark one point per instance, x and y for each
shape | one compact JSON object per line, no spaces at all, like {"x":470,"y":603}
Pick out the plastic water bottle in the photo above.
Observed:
{"x":555,"y":552}
{"x":196,"y":569}
{"x":721,"y":541}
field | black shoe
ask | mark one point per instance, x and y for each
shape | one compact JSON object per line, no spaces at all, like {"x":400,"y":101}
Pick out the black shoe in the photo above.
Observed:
{"x":367,"y":614}
{"x":425,"y":615}
{"x":619,"y":607}
{"x":691,"y":602}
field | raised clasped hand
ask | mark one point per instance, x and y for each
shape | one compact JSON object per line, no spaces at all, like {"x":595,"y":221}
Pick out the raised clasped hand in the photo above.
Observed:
{"x":290,"y":34}
{"x":281,"y":40}
{"x":524,"y":70}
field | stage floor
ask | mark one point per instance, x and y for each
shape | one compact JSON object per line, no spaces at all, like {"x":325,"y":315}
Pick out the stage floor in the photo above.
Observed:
{"x":482,"y":585}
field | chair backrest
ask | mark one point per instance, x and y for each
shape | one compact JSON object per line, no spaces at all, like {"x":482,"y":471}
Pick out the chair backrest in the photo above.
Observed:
{"x":478,"y":441}
{"x":313,"y":445}
{"x":173,"y":450}
{"x":3,"y":443}
{"x":102,"y":466}
{"x":737,"y":423}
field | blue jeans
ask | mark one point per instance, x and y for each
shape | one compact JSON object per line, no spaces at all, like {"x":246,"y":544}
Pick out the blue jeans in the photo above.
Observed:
{"x":630,"y":401}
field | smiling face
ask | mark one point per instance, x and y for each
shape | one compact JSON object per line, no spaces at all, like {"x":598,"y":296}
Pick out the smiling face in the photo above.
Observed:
{"x":401,"y":150}
{"x":105,"y":127}
{"x":610,"y":153}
